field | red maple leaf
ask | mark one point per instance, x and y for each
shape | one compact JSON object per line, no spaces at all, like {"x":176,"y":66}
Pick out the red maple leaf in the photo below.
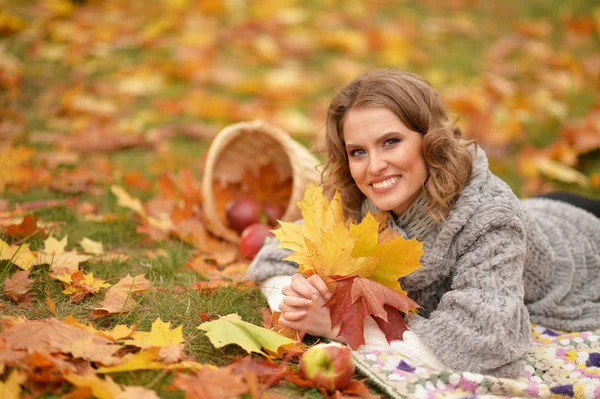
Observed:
{"x":357,"y":297}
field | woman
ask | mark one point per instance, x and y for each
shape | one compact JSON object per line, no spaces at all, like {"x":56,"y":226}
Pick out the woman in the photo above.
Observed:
{"x":491,"y":263}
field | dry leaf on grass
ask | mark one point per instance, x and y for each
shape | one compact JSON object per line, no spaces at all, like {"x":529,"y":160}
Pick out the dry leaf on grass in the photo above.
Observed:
{"x":17,"y":286}
{"x":161,"y":336}
{"x":19,"y":255}
{"x":54,"y":254}
{"x":118,"y":298}
{"x":107,"y":389}
{"x":52,"y":336}
{"x":149,"y":359}
{"x":78,"y":285}
{"x":11,"y":388}
{"x":210,"y":383}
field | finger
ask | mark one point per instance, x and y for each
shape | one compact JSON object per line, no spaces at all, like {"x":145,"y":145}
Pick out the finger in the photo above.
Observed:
{"x":288,"y":291}
{"x":292,"y":316}
{"x":317,"y":282}
{"x":296,"y":301}
{"x":285,"y":308}
{"x":303,"y":288}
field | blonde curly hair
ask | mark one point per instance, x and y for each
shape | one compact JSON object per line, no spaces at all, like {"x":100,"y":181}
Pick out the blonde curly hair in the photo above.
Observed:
{"x":419,"y":107}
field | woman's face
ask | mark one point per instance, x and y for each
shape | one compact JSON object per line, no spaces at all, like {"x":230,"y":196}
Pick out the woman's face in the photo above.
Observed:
{"x":385,"y":157}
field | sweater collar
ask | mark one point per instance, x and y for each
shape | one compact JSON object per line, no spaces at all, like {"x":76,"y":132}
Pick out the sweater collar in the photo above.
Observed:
{"x":415,"y":222}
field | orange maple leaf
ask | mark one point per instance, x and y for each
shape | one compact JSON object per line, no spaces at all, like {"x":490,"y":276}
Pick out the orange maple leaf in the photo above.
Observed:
{"x":17,"y":286}
{"x":209,"y":382}
{"x":357,"y":297}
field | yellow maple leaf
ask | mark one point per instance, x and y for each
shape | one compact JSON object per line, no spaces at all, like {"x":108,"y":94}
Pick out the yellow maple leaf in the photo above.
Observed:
{"x":118,"y":332}
{"x":231,"y":329}
{"x":323,"y":244}
{"x":11,"y":388}
{"x":328,"y":245}
{"x":92,"y":247}
{"x":89,"y":283}
{"x":147,"y":360}
{"x":100,"y":388}
{"x":161,"y":335}
{"x":19,"y":255}
{"x":12,"y":165}
{"x":397,"y":256}
{"x":54,"y":254}
{"x":127,"y":201}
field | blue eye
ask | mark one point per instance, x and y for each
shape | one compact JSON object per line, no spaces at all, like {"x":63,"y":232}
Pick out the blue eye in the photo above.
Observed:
{"x":391,"y":142}
{"x":356,"y":153}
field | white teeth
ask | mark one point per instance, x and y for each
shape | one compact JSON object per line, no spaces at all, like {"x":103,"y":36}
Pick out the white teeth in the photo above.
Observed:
{"x":386,"y":183}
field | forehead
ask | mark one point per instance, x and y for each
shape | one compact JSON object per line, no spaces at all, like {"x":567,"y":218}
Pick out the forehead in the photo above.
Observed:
{"x":362,"y":124}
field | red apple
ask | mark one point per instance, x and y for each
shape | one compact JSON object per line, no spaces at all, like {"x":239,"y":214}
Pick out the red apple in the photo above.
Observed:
{"x":252,"y":239}
{"x":242,"y":212}
{"x":273,"y":213}
{"x":329,"y":366}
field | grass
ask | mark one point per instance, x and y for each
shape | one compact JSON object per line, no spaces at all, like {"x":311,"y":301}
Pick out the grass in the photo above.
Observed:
{"x":451,"y":44}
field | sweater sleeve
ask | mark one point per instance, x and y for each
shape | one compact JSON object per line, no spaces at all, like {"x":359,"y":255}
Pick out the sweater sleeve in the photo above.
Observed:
{"x":481,"y":324}
{"x":270,"y":262}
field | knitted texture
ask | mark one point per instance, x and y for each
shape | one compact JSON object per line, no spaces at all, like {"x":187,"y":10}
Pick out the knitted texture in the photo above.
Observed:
{"x":558,"y":365}
{"x":491,"y":255}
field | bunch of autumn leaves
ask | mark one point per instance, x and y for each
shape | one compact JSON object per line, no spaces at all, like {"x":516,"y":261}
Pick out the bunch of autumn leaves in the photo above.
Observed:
{"x":361,"y":264}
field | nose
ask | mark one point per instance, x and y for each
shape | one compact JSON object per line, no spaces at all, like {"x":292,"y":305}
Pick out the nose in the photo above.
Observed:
{"x":377,"y":163}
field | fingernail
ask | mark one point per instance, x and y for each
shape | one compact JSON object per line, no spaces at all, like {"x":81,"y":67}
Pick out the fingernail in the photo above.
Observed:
{"x":314,"y":298}
{"x":328,"y":295}
{"x":308,"y":302}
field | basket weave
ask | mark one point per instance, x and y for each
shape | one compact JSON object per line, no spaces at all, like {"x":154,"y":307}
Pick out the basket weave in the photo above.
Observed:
{"x":248,"y":146}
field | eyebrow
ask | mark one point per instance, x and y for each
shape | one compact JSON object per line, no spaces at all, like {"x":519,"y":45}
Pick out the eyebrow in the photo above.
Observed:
{"x":383,"y":137}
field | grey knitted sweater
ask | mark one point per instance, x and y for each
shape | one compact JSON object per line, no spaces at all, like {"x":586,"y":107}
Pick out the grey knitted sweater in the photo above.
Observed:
{"x":493,"y":265}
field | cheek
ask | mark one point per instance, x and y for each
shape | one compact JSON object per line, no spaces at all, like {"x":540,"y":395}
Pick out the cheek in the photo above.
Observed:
{"x":354,"y":171}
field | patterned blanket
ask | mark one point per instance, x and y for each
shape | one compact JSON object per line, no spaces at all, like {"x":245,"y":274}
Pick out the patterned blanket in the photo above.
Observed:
{"x":558,"y":365}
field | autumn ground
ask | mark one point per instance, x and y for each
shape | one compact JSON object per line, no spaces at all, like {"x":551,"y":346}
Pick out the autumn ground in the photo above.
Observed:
{"x":108,"y":107}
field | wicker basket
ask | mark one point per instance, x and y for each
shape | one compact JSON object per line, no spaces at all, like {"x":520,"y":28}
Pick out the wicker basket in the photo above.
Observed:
{"x":245,"y":147}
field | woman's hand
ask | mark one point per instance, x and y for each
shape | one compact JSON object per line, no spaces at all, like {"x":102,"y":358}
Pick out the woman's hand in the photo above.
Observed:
{"x":302,"y":307}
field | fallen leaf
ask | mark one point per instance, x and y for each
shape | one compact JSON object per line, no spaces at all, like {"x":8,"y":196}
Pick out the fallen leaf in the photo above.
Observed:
{"x":171,"y":354}
{"x":356,"y":297}
{"x":118,"y":298}
{"x":231,"y":329}
{"x":13,"y":161}
{"x":19,"y":255}
{"x":130,"y":392}
{"x":17,"y":285}
{"x":107,"y":389}
{"x":210,"y":383}
{"x":27,"y":228}
{"x":147,"y":359}
{"x":90,"y":246}
{"x":11,"y":388}
{"x":51,"y":305}
{"x":127,"y":201}
{"x":160,"y":336}
{"x":558,"y":171}
{"x":52,"y":335}
{"x":54,"y":254}
{"x":78,"y":285}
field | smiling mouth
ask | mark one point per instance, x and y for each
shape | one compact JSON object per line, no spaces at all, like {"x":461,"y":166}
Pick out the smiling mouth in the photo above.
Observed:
{"x":386,"y":183}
